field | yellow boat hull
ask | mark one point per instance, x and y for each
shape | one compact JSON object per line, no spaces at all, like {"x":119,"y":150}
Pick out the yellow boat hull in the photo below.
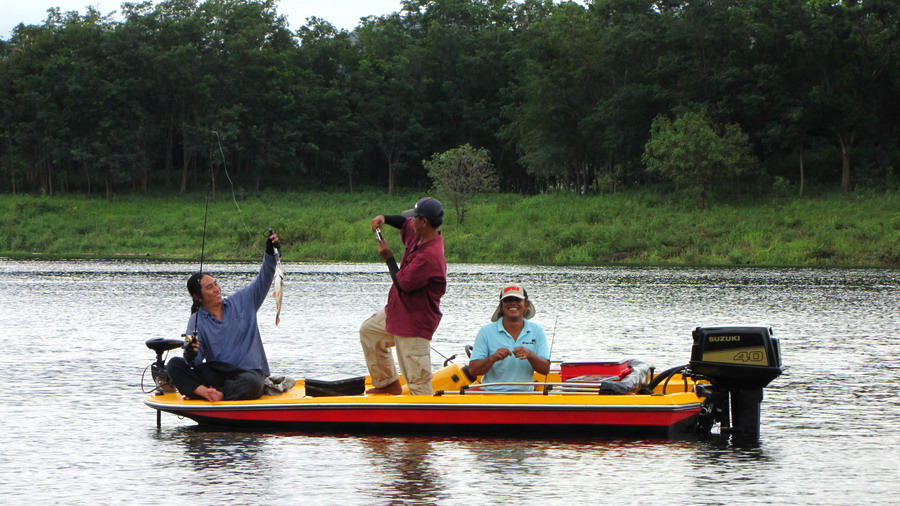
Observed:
{"x":551,"y":413}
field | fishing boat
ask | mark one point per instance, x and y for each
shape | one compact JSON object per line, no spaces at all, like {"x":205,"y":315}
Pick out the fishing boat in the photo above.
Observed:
{"x":722,"y":386}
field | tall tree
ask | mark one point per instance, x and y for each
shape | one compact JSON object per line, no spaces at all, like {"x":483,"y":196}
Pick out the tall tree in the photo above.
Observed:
{"x":257,"y":93}
{"x":459,"y":51}
{"x":772,"y":101}
{"x":337,"y":142}
{"x":554,"y":89}
{"x":628,"y":93}
{"x":856,"y":45}
{"x":387,"y":93}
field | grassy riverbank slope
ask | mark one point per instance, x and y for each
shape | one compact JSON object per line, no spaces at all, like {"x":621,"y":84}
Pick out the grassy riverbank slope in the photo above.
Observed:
{"x":632,"y":227}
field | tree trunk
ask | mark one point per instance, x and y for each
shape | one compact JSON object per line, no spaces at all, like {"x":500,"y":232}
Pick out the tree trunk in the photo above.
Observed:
{"x":802,"y":176}
{"x":185,"y":160}
{"x":184,"y":173}
{"x":846,"y":141}
{"x":170,"y":147}
{"x":390,"y":178}
{"x":392,"y":158}
{"x":349,"y":169}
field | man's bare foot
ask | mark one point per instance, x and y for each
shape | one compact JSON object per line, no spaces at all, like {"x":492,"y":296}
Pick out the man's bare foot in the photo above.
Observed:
{"x":209,"y":393}
{"x":213,"y":395}
{"x":392,"y":389}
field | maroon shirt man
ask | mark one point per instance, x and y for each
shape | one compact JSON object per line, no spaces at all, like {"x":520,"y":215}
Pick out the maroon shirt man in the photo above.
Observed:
{"x":412,"y":314}
{"x":414,"y":302}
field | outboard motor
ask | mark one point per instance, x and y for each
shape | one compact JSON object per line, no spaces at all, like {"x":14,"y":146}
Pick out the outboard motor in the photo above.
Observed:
{"x":739,"y":362}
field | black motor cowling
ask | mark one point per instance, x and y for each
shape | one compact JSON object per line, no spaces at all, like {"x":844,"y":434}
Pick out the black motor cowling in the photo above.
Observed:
{"x":745,"y":357}
{"x":739,"y":362}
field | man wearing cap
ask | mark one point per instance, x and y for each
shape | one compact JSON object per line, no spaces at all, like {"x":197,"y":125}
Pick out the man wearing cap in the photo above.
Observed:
{"x":512,"y":348}
{"x":412,"y":313}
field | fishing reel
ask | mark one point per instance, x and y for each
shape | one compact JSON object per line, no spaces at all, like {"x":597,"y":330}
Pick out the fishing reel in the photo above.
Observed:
{"x":158,"y":369}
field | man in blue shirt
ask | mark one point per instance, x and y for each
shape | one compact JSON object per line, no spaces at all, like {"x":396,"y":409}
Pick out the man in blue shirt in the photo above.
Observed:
{"x":512,"y":348}
{"x":227,"y":360}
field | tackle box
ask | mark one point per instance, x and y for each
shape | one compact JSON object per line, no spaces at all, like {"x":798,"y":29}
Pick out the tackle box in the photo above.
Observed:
{"x":569,"y":370}
{"x":336,"y":384}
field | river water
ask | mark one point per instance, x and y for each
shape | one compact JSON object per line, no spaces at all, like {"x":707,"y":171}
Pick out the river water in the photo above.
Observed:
{"x":75,"y":430}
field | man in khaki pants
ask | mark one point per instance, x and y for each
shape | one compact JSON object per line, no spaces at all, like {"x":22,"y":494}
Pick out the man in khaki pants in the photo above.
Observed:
{"x":412,"y":313}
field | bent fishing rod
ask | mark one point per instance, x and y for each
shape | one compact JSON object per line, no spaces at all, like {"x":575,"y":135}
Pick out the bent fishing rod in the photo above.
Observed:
{"x":203,"y":246}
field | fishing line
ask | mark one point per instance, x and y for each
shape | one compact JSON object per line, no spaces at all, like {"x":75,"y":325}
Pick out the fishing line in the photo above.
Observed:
{"x":231,"y":183}
{"x":279,"y":271}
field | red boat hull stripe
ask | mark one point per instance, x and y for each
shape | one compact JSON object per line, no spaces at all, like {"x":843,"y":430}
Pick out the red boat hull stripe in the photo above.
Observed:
{"x":461,"y":416}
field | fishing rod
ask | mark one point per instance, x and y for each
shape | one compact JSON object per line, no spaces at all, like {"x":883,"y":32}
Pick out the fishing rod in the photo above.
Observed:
{"x":209,"y":184}
{"x":550,"y":353}
{"x":446,"y":360}
{"x":205,"y":218}
{"x":158,"y":369}
{"x":202,"y":248}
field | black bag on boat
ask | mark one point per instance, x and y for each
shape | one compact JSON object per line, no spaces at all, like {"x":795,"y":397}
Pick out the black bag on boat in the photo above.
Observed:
{"x":631,"y":383}
{"x":336,"y":385}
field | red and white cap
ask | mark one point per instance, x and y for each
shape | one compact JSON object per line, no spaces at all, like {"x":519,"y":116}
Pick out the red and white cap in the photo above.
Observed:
{"x":517,"y":292}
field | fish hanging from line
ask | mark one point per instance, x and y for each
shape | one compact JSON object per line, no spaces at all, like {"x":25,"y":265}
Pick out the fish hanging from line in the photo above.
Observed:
{"x":278,"y":282}
{"x":278,"y":292}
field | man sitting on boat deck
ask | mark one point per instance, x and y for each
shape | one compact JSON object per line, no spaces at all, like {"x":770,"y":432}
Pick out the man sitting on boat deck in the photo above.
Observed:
{"x":512,"y":348}
{"x":227,"y":360}
{"x":412,"y":313}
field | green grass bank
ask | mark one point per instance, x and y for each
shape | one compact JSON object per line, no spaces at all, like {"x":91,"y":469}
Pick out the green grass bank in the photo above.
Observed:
{"x":631,"y":227}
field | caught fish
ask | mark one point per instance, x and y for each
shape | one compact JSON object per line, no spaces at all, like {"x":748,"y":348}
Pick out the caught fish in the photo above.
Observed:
{"x":278,"y":292}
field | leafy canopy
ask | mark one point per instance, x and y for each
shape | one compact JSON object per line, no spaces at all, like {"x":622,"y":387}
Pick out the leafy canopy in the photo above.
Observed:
{"x":695,"y":151}
{"x":460,"y":173}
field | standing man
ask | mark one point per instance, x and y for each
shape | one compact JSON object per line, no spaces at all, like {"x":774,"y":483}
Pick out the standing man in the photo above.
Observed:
{"x":412,"y":313}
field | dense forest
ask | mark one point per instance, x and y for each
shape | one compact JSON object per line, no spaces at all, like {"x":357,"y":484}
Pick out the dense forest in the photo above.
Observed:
{"x":564,"y":96}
